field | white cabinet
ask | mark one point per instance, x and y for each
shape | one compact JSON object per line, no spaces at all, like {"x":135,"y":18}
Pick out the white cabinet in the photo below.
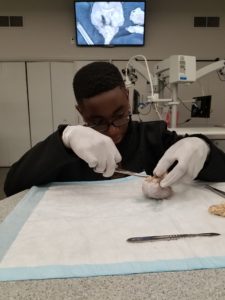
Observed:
{"x":51,"y":97}
{"x":14,"y":119}
{"x":40,"y":100}
{"x":35,"y":97}
{"x":63,"y":99}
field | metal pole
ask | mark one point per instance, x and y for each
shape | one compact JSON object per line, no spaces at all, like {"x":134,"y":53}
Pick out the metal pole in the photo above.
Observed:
{"x":174,"y":88}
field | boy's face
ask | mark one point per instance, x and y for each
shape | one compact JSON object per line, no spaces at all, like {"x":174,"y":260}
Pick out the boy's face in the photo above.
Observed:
{"x":108,"y":113}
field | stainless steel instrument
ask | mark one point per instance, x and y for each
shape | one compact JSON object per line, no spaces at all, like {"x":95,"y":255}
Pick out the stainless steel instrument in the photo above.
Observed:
{"x":125,"y":172}
{"x":215,"y":190}
{"x":169,"y":237}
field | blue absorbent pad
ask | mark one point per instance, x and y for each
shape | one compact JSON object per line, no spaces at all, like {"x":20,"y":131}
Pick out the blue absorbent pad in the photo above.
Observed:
{"x":80,"y":229}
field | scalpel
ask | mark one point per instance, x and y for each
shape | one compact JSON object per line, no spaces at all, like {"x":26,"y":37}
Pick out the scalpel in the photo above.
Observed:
{"x":168,"y":237}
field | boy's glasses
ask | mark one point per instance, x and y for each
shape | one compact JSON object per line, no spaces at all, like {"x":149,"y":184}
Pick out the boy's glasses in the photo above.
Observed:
{"x":104,"y":126}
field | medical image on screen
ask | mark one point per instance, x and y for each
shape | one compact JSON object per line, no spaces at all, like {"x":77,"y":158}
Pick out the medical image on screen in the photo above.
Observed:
{"x":110,"y":23}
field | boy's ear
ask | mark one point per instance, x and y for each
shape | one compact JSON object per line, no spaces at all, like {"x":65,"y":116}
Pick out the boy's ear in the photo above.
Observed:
{"x":78,"y":108}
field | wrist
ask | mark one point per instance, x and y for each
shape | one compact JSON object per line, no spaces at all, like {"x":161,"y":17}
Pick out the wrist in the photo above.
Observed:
{"x":66,"y":136}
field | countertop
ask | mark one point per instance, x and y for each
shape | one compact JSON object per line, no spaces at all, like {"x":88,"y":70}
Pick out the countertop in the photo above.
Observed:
{"x":213,"y":132}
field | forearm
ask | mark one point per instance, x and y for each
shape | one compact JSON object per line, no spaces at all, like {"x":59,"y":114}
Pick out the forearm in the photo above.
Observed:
{"x":214,"y":168}
{"x":40,"y":165}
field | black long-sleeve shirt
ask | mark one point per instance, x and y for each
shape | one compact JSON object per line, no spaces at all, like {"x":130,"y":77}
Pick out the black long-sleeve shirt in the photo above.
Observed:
{"x":141,"y":148}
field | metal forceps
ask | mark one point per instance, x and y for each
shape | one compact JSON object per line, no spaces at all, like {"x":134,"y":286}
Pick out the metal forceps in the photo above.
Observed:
{"x":215,"y":190}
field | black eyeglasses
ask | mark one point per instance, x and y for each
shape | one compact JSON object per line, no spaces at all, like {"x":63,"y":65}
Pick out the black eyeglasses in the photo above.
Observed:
{"x":104,"y":126}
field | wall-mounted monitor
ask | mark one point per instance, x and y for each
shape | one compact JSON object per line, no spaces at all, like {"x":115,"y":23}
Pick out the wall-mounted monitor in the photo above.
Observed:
{"x":109,"y":24}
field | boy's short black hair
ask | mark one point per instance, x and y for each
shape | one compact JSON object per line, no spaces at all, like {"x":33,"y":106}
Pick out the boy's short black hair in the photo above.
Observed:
{"x":96,"y":78}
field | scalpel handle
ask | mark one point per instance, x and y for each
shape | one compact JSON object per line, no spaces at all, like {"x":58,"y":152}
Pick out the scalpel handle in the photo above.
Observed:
{"x":168,"y":237}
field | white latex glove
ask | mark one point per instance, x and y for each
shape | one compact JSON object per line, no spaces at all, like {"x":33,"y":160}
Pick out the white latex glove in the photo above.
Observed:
{"x":97,"y":149}
{"x":191,"y":154}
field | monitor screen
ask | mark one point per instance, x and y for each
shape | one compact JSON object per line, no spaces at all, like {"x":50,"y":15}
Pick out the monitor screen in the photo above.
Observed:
{"x":110,"y":24}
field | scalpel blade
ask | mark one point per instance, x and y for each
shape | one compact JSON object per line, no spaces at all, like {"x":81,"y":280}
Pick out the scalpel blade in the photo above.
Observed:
{"x":169,"y":237}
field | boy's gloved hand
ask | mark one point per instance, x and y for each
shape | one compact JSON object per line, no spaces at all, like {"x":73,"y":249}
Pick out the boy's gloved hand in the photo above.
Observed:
{"x":96,"y":149}
{"x":190,"y":154}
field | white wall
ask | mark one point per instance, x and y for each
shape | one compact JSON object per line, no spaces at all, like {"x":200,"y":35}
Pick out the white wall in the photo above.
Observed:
{"x":49,"y":27}
{"x":44,"y":46}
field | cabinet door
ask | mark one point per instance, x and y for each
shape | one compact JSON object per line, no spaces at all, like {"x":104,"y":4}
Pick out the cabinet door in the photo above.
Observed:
{"x":14,"y":119}
{"x":63,"y":99}
{"x":40,"y":100}
{"x":51,"y":97}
